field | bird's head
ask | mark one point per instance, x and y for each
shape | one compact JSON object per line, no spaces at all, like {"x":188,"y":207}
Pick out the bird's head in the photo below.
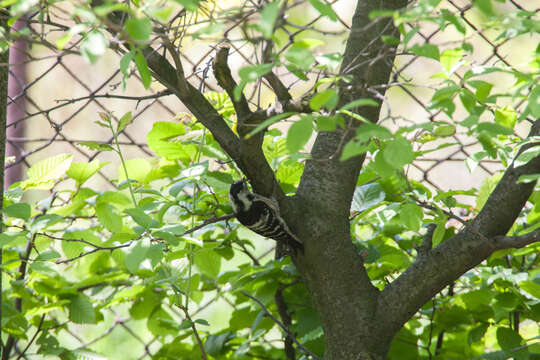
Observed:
{"x":239,"y":195}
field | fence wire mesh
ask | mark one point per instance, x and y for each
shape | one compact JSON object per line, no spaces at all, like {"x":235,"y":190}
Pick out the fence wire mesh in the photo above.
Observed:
{"x":55,"y":97}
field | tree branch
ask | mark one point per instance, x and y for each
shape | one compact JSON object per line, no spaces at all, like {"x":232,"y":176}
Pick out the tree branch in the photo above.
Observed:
{"x":516,"y":242}
{"x":474,"y":243}
{"x":334,"y":273}
{"x":10,"y":342}
{"x":225,"y":80}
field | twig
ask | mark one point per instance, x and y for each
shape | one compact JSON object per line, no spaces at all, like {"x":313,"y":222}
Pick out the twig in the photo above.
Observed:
{"x":249,"y":254}
{"x":33,"y":337}
{"x":182,"y":84}
{"x":280,"y":324}
{"x":286,"y":318}
{"x":112,"y":96}
{"x":208,"y":222}
{"x":195,"y":332}
{"x":10,"y":342}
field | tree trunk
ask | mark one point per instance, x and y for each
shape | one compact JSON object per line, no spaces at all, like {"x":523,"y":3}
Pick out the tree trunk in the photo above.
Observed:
{"x":332,"y":269}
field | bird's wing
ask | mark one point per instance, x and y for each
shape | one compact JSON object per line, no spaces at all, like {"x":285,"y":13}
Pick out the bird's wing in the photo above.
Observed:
{"x":272,"y":203}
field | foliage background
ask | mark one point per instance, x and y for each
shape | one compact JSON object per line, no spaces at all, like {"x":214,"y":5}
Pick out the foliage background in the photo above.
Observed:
{"x":144,"y":297}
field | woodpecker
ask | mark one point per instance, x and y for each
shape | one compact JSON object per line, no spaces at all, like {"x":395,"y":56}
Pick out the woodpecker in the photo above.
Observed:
{"x":261,"y":215}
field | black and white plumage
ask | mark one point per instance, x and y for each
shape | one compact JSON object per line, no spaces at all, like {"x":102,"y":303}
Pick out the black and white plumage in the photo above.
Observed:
{"x":261,"y":215}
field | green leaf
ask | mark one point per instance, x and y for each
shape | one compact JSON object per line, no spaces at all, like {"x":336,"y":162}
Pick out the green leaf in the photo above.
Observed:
{"x":509,"y":340}
{"x":124,"y":122}
{"x":485,"y":6}
{"x":483,"y":89}
{"x":527,"y":155}
{"x":268,"y":18}
{"x":72,"y":249}
{"x":97,"y":146}
{"x":19,"y":211}
{"x":44,"y":221}
{"x":398,"y":152}
{"x":189,"y":5}
{"x":369,"y":130}
{"x":359,"y":103}
{"x":531,"y":288}
{"x":137,"y":169}
{"x":324,"y":9}
{"x":108,"y":216}
{"x":367,"y":196}
{"x":251,"y":73}
{"x":82,"y":171}
{"x":440,"y":230}
{"x":202,"y":322}
{"x":208,"y":262}
{"x":454,"y":20}
{"x":93,"y":46}
{"x":486,"y":189}
{"x":141,"y":218}
{"x":125,"y":68}
{"x":476,"y":299}
{"x":328,"y":123}
{"x":142,"y":68}
{"x":426,"y":50}
{"x":106,"y":9}
{"x":162,"y":140}
{"x":300,"y":56}
{"x":299,"y":134}
{"x":353,"y":148}
{"x":139,"y":29}
{"x":74,"y":30}
{"x":271,"y":120}
{"x":494,"y":129}
{"x":534,"y":102}
{"x":330,"y":61}
{"x":506,"y":116}
{"x":382,"y":168}
{"x":81,"y":310}
{"x":327,"y":98}
{"x":445,"y":130}
{"x":450,"y":60}
{"x":412,"y":216}
{"x":525,"y":179}
{"x":215,"y":344}
{"x":7,"y":238}
{"x":289,"y":173}
{"x":135,"y":256}
{"x":195,"y":171}
{"x":44,"y":173}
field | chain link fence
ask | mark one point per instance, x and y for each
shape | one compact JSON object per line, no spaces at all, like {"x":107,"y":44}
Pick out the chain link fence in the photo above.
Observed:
{"x":55,"y":97}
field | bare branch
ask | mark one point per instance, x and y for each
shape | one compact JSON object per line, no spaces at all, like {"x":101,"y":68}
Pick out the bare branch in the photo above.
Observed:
{"x":516,"y":242}
{"x":225,"y":80}
{"x":208,"y":222}
{"x":182,"y":84}
{"x":286,"y":318}
{"x":195,"y":332}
